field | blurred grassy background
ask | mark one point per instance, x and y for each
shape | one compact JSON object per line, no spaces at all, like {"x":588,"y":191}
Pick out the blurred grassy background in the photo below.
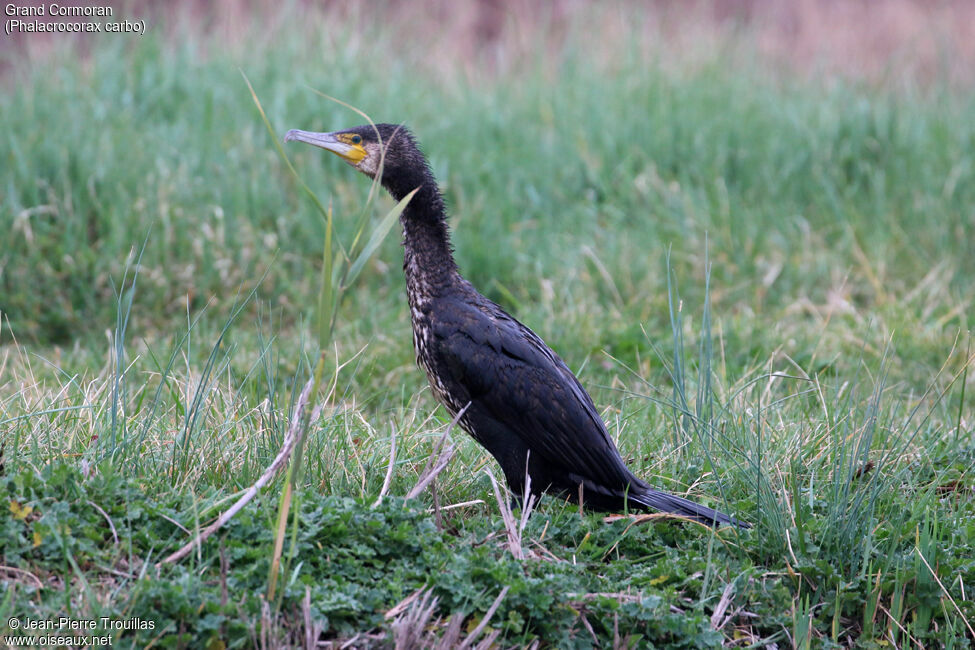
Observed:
{"x":826,"y":177}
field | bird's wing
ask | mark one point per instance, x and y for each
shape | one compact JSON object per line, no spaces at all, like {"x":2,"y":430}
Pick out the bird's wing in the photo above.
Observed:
{"x":509,"y":372}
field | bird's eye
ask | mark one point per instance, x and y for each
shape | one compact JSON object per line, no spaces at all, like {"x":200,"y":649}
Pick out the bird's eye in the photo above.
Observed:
{"x":356,"y":139}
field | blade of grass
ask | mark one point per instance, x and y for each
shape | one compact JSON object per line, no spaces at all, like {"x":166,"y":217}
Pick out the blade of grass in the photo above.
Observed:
{"x":378,"y":235}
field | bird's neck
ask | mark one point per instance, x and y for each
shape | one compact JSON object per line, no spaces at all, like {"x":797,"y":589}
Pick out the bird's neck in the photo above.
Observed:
{"x":427,"y":257}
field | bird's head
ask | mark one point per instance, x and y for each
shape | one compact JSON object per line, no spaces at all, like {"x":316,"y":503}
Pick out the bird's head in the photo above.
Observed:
{"x":371,"y":148}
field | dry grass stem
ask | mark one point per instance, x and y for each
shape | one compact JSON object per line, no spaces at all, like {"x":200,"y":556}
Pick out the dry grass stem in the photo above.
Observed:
{"x":387,"y":481}
{"x":718,"y":619}
{"x":313,"y":628}
{"x":454,"y":506}
{"x":284,"y":455}
{"x":438,"y":459}
{"x":514,"y":528}
{"x":945,"y":591}
{"x":414,"y":625}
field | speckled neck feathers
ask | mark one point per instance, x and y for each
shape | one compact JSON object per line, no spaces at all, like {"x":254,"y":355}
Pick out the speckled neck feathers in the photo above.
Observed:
{"x":428,"y":259}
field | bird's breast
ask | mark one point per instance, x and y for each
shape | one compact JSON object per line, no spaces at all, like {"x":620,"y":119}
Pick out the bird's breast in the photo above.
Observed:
{"x":427,"y":355}
{"x":426,"y":359}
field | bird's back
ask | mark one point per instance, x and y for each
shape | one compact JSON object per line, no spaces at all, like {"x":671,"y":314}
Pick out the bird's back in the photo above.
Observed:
{"x":526,"y":406}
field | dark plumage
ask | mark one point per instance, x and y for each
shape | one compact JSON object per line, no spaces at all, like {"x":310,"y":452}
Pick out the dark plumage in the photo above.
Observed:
{"x":526,"y":406}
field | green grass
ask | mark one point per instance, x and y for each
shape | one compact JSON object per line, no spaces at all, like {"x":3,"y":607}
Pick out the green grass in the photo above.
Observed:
{"x":766,"y":286}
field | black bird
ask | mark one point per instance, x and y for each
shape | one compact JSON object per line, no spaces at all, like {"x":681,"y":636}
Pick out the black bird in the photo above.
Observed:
{"x":525,"y":405}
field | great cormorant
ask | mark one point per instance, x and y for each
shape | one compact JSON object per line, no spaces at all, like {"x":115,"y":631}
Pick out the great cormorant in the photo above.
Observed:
{"x":525,"y":405}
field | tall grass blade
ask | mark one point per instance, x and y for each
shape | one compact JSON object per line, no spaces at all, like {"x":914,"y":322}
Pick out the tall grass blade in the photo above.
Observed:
{"x":379,"y":233}
{"x":123,"y":313}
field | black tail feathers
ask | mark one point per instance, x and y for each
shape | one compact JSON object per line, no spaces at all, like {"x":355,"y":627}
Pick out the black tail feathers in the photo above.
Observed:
{"x":664,"y":502}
